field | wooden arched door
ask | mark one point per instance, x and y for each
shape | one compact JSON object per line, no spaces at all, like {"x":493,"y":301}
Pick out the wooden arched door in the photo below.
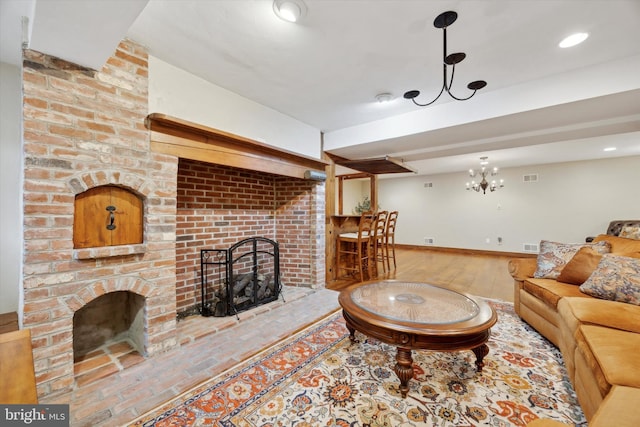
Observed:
{"x":107,"y":216}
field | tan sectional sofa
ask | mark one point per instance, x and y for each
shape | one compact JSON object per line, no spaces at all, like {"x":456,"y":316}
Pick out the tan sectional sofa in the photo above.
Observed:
{"x":599,"y":338}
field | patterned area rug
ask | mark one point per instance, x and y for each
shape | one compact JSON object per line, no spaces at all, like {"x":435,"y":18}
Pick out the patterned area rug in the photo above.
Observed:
{"x":319,"y":378}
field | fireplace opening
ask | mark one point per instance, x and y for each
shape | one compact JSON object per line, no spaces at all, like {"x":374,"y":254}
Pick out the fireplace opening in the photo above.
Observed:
{"x":241,"y":277}
{"x":113,"y":320}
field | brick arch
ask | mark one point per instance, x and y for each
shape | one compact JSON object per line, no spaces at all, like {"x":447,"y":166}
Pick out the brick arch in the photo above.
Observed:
{"x":99,"y":288}
{"x":82,"y":182}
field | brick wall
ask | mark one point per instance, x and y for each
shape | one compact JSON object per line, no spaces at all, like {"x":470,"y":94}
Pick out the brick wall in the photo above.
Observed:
{"x":82,"y":129}
{"x":300,"y":230}
{"x":219,"y":206}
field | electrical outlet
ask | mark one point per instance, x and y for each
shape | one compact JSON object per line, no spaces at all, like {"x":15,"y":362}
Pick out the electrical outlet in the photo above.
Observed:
{"x":499,"y":240}
{"x":488,"y":240}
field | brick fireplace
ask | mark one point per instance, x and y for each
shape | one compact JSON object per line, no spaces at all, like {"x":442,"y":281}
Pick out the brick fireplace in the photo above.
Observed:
{"x":221,"y":205}
{"x":85,"y":129}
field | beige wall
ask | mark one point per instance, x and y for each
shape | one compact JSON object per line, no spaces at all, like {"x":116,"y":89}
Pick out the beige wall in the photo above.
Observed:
{"x":183,"y":95}
{"x":570,"y":201}
{"x":10,"y":185}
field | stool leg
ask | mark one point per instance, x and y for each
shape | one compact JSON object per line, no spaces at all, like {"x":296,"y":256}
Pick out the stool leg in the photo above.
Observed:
{"x":393,"y":251}
{"x":339,"y":259}
{"x":360,"y":262}
{"x":386,"y":254}
{"x":372,"y":266}
{"x":383,"y":257}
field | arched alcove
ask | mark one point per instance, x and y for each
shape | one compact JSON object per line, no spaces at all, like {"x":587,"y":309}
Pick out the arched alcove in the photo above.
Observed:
{"x":114,"y":317}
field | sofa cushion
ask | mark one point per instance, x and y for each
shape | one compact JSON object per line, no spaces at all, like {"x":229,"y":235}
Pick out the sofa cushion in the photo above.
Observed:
{"x":592,"y":311}
{"x":580,"y":267}
{"x":550,"y":291}
{"x":553,"y":256}
{"x":612,"y":355}
{"x":616,"y":278}
{"x":619,"y":244}
{"x":620,"y":408}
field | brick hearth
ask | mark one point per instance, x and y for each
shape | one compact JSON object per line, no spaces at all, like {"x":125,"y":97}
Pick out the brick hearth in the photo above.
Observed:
{"x":86,"y":128}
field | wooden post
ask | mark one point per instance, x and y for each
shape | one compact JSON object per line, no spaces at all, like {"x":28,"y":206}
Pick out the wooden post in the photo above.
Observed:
{"x":330,"y":210}
{"x":374,"y":192}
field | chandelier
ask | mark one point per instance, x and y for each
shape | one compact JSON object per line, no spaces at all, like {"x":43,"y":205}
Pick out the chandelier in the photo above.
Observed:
{"x":443,"y":21}
{"x":484,"y":172}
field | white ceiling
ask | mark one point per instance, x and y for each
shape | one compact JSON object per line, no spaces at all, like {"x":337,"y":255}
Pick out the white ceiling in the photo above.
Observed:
{"x":542,"y":104}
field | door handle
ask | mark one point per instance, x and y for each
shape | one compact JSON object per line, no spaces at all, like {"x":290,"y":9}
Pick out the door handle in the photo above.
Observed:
{"x":112,"y":217}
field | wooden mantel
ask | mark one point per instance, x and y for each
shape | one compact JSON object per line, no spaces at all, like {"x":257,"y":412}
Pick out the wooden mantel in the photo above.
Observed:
{"x":188,"y":140}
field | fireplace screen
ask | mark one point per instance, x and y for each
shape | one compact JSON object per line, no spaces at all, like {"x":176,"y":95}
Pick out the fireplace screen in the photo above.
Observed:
{"x":239,"y":278}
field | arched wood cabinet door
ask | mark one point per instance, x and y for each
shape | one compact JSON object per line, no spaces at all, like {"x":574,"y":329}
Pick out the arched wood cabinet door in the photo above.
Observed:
{"x":107,"y":216}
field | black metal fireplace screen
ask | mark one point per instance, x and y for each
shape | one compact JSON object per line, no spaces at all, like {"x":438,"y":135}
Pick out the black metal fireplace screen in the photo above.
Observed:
{"x":239,"y":278}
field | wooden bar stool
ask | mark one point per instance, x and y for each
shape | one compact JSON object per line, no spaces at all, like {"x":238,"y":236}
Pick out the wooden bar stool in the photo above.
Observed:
{"x":390,"y":239}
{"x":354,"y":249}
{"x":379,"y":241}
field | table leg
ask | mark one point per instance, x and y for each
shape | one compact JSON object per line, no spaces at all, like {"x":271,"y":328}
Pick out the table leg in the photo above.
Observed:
{"x":351,"y":329}
{"x":404,"y":369}
{"x":480,"y":353}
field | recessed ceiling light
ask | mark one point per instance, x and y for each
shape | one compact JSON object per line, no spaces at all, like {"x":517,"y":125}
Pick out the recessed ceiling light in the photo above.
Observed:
{"x":610,"y":149}
{"x":573,"y":40}
{"x":289,"y":10}
{"x":384,"y":97}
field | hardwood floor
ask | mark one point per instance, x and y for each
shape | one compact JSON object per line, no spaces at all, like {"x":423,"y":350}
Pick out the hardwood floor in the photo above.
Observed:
{"x":482,"y":275}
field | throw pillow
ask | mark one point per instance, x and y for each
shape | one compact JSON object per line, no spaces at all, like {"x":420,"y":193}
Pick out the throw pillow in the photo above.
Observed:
{"x":580,"y":267}
{"x":616,"y":278}
{"x":554,"y":256}
{"x":630,"y":232}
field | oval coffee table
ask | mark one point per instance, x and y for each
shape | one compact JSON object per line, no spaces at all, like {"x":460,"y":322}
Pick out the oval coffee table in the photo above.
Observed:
{"x":417,"y":316}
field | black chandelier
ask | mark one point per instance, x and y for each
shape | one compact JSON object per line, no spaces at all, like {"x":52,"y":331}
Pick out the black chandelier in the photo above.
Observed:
{"x":443,"y":21}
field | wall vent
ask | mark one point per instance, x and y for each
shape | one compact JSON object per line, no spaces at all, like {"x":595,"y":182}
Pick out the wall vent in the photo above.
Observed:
{"x":530,"y":178}
{"x":429,"y":240}
{"x":428,"y":185}
{"x":531,"y":247}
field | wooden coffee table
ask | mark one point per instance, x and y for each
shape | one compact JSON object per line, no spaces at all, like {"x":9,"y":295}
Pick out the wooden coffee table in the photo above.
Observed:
{"x":417,"y":316}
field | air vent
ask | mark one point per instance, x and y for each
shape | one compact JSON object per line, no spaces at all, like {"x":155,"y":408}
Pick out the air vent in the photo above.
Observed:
{"x":531,"y":247}
{"x":428,"y":185}
{"x":429,"y":240}
{"x":530,"y":178}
